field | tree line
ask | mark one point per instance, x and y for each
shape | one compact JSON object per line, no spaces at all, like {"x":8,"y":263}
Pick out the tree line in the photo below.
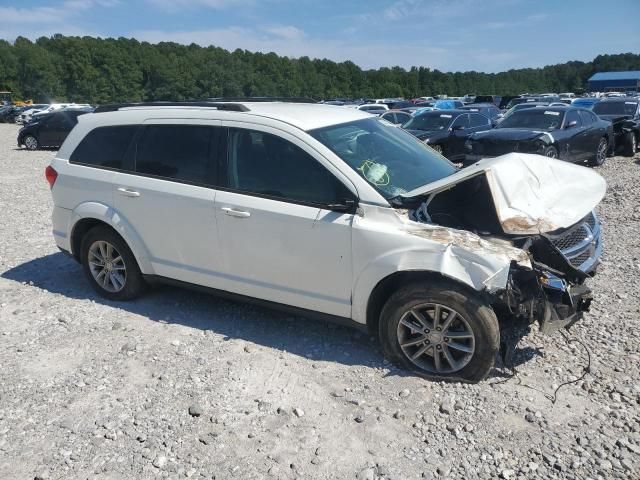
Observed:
{"x":98,"y":71}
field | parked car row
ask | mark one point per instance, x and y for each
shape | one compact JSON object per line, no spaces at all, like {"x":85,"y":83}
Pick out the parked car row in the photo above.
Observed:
{"x":546,"y":127}
{"x":50,"y":128}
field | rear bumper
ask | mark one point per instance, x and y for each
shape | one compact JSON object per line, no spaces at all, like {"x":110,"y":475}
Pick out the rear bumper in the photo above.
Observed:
{"x":61,"y":218}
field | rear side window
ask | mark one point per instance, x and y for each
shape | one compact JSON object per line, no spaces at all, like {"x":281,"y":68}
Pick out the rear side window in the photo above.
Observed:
{"x":586,"y":117}
{"x":461,"y":121}
{"x":268,"y":165}
{"x":179,"y":152}
{"x":104,"y":146}
{"x":478,"y":120}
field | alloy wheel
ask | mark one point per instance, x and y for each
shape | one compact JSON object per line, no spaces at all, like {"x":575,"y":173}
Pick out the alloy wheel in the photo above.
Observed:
{"x":107,"y":266}
{"x":436,"y":338}
{"x":437,"y":148}
{"x":601,"y":154}
{"x":31,"y":143}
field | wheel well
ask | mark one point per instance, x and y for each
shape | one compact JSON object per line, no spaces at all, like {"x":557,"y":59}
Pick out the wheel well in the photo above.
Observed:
{"x":388,"y":285}
{"x":80,"y":229}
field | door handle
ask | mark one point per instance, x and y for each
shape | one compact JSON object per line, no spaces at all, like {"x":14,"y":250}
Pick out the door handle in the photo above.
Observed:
{"x":128,"y":193}
{"x":235,"y":213}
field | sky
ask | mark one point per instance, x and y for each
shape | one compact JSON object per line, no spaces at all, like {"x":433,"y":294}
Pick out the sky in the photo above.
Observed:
{"x":448,"y":35}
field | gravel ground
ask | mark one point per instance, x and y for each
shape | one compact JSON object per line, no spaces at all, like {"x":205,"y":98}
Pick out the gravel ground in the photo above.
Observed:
{"x":180,"y":384}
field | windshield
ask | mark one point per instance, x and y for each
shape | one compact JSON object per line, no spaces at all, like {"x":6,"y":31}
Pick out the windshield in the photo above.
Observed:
{"x":390,"y":159}
{"x":429,"y":122}
{"x":535,"y":118}
{"x":615,"y":108}
{"x":584,"y":103}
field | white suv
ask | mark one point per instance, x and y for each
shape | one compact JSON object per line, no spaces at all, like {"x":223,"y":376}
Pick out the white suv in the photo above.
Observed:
{"x":333,"y":212}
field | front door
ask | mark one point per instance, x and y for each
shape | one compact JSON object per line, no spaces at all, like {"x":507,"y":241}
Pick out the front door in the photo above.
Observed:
{"x":281,"y":237}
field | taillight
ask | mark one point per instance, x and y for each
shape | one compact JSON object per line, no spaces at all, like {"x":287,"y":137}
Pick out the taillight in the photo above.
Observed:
{"x":51,"y":175}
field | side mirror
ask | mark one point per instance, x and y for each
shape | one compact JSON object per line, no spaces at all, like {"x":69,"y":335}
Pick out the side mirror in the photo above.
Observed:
{"x":457,"y":128}
{"x":500,"y":115}
{"x":571,"y":124}
{"x":347,"y":206}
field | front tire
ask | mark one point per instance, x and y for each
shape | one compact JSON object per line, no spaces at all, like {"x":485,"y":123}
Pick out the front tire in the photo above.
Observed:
{"x":601,"y":153}
{"x":31,"y":142}
{"x":630,"y":144}
{"x":440,"y":332}
{"x":551,"y":152}
{"x":110,"y":266}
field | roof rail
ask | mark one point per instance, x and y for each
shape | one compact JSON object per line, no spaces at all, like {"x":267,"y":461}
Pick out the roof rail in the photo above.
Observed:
{"x":231,"y":107}
{"x":264,"y":99}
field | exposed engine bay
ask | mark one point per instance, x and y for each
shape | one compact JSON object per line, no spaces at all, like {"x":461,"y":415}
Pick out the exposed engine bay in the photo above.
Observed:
{"x":553,"y":290}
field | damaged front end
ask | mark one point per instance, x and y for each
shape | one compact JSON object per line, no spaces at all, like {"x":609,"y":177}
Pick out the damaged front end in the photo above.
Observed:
{"x":554,"y":292}
{"x":558,"y":234}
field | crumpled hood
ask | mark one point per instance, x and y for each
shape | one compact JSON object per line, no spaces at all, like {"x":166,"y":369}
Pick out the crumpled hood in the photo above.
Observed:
{"x":532,"y":194}
{"x":515,"y":134}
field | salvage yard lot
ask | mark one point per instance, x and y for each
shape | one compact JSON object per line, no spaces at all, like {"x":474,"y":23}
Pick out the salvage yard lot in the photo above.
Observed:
{"x":181,"y":384}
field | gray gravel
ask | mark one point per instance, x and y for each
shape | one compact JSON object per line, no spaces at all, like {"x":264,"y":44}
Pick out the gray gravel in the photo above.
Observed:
{"x":180,"y":384}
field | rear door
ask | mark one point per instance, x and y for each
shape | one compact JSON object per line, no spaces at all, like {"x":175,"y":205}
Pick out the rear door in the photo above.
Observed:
{"x":167,"y":197}
{"x":280,"y":239}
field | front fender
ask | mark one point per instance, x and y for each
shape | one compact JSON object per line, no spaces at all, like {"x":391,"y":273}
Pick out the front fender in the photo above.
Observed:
{"x":111,"y":217}
{"x":483,"y":269}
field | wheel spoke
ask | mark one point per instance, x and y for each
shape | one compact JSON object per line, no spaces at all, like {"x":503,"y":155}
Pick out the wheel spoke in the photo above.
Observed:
{"x":103,"y":250}
{"x":447,"y":322}
{"x":414,"y":341}
{"x":462,"y":348}
{"x":109,"y":252}
{"x":459,"y":334}
{"x":420,"y":351}
{"x":96,"y":256}
{"x":420,"y":318}
{"x":436,"y":359}
{"x":436,"y":317}
{"x":411,"y":326}
{"x":116,"y":280}
{"x":449,"y":357}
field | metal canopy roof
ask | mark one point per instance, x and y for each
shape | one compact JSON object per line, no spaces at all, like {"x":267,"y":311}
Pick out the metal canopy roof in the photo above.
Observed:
{"x":630,"y":75}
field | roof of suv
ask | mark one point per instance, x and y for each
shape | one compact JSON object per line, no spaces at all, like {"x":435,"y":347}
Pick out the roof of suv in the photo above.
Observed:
{"x":306,"y":116}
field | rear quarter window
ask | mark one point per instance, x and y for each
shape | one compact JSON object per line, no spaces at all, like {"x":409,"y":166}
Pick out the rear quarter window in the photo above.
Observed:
{"x":104,"y":146}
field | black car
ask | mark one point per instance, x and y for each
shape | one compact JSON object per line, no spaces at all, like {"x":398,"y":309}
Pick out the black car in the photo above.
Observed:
{"x":624,"y":114}
{"x":49,"y":130}
{"x":446,"y":131}
{"x":567,"y":133}
{"x":5,"y":113}
{"x":489,"y":110}
{"x":493,"y":99}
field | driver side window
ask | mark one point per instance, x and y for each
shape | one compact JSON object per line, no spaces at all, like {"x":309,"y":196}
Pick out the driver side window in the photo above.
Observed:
{"x":462,"y":121}
{"x":269,"y":165}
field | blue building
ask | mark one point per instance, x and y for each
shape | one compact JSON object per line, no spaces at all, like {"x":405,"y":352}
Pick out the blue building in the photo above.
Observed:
{"x":615,"y":81}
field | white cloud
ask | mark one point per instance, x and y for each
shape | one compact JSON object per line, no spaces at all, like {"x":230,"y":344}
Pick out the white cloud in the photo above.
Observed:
{"x":48,"y":15}
{"x":177,"y":5}
{"x":287,"y":32}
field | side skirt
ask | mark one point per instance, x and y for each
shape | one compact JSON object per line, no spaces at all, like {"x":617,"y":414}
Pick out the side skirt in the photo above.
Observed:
{"x":280,"y":307}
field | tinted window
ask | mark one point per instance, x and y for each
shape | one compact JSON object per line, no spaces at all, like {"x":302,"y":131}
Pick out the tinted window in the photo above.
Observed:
{"x":462,"y":120}
{"x":104,"y":146}
{"x":586,"y":117}
{"x":572,"y":116}
{"x":265,"y":164}
{"x":478,"y":120}
{"x":179,"y":152}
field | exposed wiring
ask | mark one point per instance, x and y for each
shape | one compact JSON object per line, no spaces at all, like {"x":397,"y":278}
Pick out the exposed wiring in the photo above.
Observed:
{"x":553,"y":397}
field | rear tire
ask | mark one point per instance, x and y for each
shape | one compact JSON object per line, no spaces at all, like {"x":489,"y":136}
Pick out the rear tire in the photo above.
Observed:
{"x":31,"y":142}
{"x":551,"y":152}
{"x":110,"y":266}
{"x":420,"y":317}
{"x":630,"y":144}
{"x":601,"y":153}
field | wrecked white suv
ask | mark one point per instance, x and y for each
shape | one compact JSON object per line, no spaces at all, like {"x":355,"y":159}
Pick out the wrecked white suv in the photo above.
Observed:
{"x":333,"y":213}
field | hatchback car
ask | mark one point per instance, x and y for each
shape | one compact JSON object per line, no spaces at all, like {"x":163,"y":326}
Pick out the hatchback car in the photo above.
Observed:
{"x":332,"y":213}
{"x":48,"y":130}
